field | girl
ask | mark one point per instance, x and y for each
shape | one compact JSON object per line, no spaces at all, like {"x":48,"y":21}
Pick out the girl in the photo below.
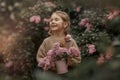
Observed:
{"x":59,"y":29}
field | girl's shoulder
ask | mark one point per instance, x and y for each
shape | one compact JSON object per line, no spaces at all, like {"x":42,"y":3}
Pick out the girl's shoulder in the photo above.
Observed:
{"x":72,"y":40}
{"x":47,"y":39}
{"x":69,"y":38}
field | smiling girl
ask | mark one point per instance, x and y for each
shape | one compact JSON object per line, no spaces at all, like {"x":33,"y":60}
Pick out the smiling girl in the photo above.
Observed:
{"x":59,"y":29}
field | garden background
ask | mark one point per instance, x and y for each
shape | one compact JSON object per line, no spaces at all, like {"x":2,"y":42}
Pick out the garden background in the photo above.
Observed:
{"x":94,"y":26}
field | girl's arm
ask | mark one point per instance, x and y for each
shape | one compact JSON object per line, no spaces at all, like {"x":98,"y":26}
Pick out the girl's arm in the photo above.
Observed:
{"x":41,"y":51}
{"x":74,"y":60}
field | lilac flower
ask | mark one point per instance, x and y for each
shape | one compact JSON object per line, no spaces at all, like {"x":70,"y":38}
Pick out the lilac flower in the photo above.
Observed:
{"x":110,"y":16}
{"x":35,"y":19}
{"x":46,"y":28}
{"x":56,"y":46}
{"x":50,"y":4}
{"x":61,"y":51}
{"x":46,"y":20}
{"x":113,"y":14}
{"x":74,"y":51}
{"x":88,"y":27}
{"x":41,"y":62}
{"x":116,"y":13}
{"x":68,"y":37}
{"x":51,"y":53}
{"x":78,"y":8}
{"x":57,"y":53}
{"x":91,"y":49}
{"x":57,"y":50}
{"x":32,"y":19}
{"x":83,"y":22}
{"x":45,"y":62}
{"x":9,"y":64}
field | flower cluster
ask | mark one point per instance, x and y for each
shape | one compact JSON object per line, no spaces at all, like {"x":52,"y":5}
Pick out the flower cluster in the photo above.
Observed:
{"x":55,"y":54}
{"x":91,"y":49}
{"x":86,"y":23}
{"x":46,"y":63}
{"x":113,"y":14}
{"x":35,"y":19}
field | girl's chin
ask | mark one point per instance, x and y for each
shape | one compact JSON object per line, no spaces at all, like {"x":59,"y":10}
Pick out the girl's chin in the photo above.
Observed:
{"x":54,"y":29}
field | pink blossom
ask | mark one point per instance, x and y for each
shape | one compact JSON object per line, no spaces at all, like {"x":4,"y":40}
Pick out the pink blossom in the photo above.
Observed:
{"x":101,"y":59}
{"x":110,"y":16}
{"x":9,"y":64}
{"x":91,"y":48}
{"x":68,"y":37}
{"x":57,"y":50}
{"x":78,"y":8}
{"x":32,"y":19}
{"x":83,"y":22}
{"x":45,"y":62}
{"x":41,"y":62}
{"x":46,"y":28}
{"x":46,"y":20}
{"x":51,"y":53}
{"x":116,"y":13}
{"x":61,"y":51}
{"x":35,"y":19}
{"x":74,"y":51}
{"x":113,"y":14}
{"x":91,"y":51}
{"x":50,"y":4}
{"x":89,"y":26}
{"x":56,"y":46}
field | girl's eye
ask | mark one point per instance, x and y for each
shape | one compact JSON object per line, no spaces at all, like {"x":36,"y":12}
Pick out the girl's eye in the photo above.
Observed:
{"x":56,"y":19}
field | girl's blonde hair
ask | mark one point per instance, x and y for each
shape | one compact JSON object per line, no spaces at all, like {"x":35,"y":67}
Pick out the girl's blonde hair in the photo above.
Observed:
{"x":65,"y":17}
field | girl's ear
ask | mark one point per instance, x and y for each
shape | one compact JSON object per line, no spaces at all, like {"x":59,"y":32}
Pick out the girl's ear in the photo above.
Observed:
{"x":65,"y":24}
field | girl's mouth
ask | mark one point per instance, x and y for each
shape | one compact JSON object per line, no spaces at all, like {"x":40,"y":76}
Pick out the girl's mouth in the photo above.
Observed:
{"x":54,"y":25}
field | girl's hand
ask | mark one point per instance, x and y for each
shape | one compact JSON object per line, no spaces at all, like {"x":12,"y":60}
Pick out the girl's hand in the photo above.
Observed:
{"x":70,"y":61}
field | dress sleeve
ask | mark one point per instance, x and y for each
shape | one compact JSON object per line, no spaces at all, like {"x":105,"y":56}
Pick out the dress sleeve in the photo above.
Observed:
{"x":41,"y":51}
{"x":74,"y":60}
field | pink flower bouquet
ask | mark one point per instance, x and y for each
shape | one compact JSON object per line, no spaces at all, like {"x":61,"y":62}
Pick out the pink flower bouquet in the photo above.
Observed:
{"x":46,"y":63}
{"x":56,"y":57}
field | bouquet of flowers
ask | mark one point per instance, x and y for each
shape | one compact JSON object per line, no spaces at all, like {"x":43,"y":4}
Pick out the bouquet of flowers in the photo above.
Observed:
{"x":56,"y":57}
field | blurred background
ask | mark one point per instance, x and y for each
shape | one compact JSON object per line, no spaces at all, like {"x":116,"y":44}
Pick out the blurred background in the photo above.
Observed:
{"x":20,"y":37}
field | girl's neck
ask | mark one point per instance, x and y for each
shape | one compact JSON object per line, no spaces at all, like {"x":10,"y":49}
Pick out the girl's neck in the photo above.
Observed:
{"x":59,"y":37}
{"x":58,"y":34}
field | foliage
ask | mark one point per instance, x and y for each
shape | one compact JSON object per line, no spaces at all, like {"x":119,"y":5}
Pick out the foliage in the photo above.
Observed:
{"x":21,"y":48}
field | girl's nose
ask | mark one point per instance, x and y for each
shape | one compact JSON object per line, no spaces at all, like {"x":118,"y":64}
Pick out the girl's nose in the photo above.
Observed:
{"x":53,"y":22}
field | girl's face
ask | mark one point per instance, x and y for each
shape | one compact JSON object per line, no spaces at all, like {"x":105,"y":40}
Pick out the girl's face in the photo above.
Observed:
{"x":56,"y":23}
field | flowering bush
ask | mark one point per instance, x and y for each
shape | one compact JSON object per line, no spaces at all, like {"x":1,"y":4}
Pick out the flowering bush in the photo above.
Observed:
{"x":93,"y":28}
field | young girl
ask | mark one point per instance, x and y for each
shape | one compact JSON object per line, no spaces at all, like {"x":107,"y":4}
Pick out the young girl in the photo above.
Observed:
{"x":59,"y":29}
